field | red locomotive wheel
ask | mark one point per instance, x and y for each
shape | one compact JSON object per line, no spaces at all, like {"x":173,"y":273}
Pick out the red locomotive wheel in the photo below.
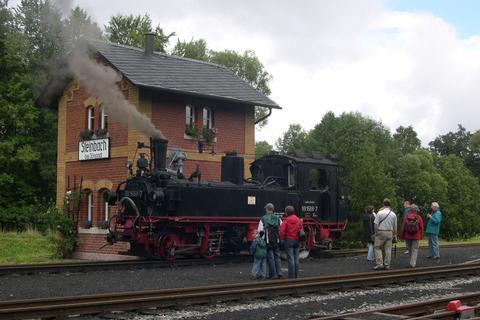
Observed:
{"x":168,"y":246}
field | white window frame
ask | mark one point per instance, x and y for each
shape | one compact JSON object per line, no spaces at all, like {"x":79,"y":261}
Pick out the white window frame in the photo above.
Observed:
{"x":89,"y":206}
{"x":104,"y":118}
{"x":90,"y":118}
{"x":207,"y":118}
{"x":189,"y":114}
{"x":106,"y":210}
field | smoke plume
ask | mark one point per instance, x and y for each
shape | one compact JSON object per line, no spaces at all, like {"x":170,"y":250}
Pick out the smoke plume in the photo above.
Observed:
{"x":99,"y":80}
{"x":102,"y":81}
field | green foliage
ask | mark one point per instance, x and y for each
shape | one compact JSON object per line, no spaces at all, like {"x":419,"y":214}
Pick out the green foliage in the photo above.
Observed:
{"x":293,"y":139}
{"x":461,"y":143}
{"x":407,"y":139}
{"x":194,"y":49}
{"x":44,"y":219}
{"x":419,"y":180}
{"x":460,"y":218}
{"x":130,"y":30}
{"x":262,"y":148}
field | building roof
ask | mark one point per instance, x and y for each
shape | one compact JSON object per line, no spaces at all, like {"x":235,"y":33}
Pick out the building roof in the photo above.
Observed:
{"x":180,"y":75}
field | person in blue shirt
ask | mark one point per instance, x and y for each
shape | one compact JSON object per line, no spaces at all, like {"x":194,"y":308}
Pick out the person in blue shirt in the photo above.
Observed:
{"x":433,"y":229}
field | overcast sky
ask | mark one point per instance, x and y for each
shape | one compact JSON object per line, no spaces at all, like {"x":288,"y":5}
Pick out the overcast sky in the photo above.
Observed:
{"x":401,"y":62}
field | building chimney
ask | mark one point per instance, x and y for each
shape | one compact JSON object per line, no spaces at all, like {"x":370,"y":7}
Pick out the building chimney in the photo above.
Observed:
{"x":149,"y":43}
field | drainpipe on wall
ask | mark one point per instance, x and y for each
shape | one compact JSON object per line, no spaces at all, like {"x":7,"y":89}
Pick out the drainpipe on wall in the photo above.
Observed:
{"x":265,"y":117}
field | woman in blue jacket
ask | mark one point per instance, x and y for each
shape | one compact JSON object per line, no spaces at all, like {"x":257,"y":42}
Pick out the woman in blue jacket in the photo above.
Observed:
{"x":433,"y":229}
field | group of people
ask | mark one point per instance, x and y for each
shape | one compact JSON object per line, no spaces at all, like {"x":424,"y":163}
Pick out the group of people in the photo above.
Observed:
{"x":380,"y":232}
{"x":273,"y":233}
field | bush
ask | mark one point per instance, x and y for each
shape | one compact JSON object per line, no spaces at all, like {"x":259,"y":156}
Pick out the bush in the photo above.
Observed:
{"x":43,"y":218}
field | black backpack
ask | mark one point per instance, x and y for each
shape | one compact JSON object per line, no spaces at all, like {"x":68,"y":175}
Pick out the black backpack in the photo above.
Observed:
{"x":411,"y":225}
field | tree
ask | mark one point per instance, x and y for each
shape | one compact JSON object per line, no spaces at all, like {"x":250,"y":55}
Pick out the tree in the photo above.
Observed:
{"x":419,"y":180}
{"x":194,"y":49}
{"x":407,"y":139}
{"x":79,"y":24}
{"x":130,"y":30}
{"x":33,"y":41}
{"x":293,"y":139}
{"x":460,"y":143}
{"x":262,"y":148}
{"x":460,"y":211}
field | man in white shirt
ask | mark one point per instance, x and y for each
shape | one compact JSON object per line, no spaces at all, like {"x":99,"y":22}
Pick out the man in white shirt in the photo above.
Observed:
{"x":385,"y":225}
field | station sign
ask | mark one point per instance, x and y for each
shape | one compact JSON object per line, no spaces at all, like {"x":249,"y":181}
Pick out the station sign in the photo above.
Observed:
{"x":94,"y":149}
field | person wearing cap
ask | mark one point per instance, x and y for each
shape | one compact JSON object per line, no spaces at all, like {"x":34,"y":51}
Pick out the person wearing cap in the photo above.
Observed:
{"x":433,"y":229}
{"x":385,"y":225}
{"x":270,"y":224}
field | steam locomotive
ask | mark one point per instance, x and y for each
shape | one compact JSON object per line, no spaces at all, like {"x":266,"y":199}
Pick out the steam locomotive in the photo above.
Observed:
{"x":164,"y":214}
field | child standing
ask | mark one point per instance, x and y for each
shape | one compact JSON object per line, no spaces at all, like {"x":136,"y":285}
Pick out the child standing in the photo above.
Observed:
{"x":259,"y":250}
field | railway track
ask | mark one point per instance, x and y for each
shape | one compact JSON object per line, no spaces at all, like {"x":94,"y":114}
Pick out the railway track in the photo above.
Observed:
{"x":115,"y":265}
{"x":100,"y":303}
{"x":339,"y":253}
{"x":137,"y":264}
{"x":434,"y":309}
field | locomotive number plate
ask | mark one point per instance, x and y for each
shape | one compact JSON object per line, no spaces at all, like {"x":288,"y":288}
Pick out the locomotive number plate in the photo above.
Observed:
{"x":251,"y":200}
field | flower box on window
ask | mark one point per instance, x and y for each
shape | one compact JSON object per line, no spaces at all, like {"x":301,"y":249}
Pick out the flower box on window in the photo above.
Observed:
{"x":87,"y":224}
{"x":209,"y":134}
{"x":86,"y":134}
{"x":192,"y":130}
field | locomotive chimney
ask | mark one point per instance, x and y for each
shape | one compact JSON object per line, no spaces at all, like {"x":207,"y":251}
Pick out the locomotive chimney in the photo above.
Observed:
{"x":149,"y":37}
{"x":159,"y":152}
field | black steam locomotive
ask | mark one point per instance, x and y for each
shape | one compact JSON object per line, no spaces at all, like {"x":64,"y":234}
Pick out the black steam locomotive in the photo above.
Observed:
{"x":163,"y":214}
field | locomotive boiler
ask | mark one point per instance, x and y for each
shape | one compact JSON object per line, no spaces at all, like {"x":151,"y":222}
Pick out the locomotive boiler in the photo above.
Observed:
{"x":163,"y":214}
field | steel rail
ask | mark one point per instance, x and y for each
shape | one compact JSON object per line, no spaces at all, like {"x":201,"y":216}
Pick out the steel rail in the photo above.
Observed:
{"x":334,"y":253}
{"x":98,"y":303}
{"x":432,"y":309}
{"x":114,"y":265}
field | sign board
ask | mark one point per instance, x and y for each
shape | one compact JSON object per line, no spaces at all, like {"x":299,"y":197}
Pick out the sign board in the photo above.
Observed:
{"x":94,"y":149}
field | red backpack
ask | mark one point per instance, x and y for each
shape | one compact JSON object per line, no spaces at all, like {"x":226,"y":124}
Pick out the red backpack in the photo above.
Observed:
{"x":411,"y":225}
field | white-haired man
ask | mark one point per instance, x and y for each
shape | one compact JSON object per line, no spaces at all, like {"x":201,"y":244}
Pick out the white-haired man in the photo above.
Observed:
{"x":433,"y":229}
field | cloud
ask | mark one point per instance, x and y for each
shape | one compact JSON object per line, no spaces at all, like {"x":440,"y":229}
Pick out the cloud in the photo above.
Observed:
{"x":402,"y":68}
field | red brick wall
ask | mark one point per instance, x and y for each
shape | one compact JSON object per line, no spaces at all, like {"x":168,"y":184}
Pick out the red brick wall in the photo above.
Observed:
{"x":77,"y":122}
{"x":93,"y":243}
{"x":210,"y":170}
{"x":169,"y":116}
{"x":109,"y":169}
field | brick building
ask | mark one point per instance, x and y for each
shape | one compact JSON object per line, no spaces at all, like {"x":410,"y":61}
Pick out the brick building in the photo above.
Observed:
{"x":184,"y":98}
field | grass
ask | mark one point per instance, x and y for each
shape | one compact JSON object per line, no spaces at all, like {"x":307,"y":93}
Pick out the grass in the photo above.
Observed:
{"x":26,"y":247}
{"x":424,"y":242}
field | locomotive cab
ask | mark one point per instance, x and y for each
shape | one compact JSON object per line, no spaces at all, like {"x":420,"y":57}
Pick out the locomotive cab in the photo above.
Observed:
{"x":315,"y":180}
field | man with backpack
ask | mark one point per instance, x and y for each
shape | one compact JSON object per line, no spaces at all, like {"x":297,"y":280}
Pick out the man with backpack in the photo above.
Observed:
{"x":412,"y":232}
{"x":270,"y":224}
